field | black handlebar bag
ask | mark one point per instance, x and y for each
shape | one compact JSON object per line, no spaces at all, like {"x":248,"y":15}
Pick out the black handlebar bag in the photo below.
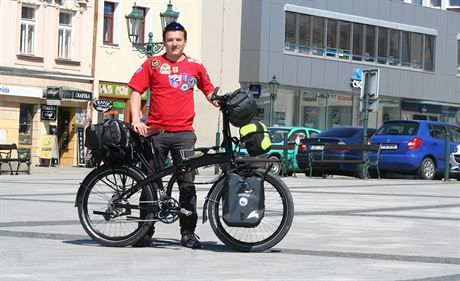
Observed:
{"x":243,"y":200}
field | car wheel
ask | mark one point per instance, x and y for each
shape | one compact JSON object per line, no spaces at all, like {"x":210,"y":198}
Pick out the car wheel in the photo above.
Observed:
{"x":276,"y":167}
{"x":427,"y":169}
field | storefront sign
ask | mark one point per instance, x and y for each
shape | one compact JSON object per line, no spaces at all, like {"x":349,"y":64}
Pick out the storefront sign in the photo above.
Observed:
{"x":47,"y":146}
{"x":102,"y":105}
{"x":57,"y":93}
{"x":356,"y":79}
{"x":80,"y":95}
{"x":116,"y":90}
{"x":48,"y":112}
{"x":53,"y":93}
{"x":81,"y":146}
{"x":21,"y":91}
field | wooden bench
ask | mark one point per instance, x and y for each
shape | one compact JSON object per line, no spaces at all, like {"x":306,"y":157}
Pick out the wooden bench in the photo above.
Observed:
{"x":6,"y":157}
{"x":319,"y":157}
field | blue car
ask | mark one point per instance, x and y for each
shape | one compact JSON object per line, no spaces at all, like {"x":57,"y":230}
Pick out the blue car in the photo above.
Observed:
{"x":342,"y":135}
{"x":416,"y":147}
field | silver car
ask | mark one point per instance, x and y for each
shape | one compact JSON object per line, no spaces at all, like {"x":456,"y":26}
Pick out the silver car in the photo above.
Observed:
{"x":455,"y":162}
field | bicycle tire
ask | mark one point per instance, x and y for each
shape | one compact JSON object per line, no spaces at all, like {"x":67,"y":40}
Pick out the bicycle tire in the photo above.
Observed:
{"x":119,"y":231}
{"x":271,"y":230}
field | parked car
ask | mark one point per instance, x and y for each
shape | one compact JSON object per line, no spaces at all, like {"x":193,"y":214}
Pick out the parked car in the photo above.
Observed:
{"x":343,"y":135}
{"x":417,"y":147}
{"x":293,"y":136}
{"x":455,"y":162}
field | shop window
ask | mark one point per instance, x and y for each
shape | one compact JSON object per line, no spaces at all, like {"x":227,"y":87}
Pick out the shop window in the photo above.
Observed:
{"x":290,"y":32}
{"x":109,"y":11}
{"x":25,"y":129}
{"x":454,"y":3}
{"x":382,"y":46}
{"x":344,"y":40}
{"x":65,"y":35}
{"x":417,"y":2}
{"x":357,"y":42}
{"x":304,"y":34}
{"x":318,"y":36}
{"x":28,"y":29}
{"x":394,"y":57}
{"x":416,"y":50}
{"x":370,"y":43}
{"x":331,"y":43}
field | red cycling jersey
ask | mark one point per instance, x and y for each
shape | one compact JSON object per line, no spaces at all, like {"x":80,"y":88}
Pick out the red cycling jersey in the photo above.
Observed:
{"x":172,"y":106}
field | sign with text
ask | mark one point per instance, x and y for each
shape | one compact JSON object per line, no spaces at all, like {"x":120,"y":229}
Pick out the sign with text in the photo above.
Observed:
{"x":48,"y":112}
{"x":81,"y":146}
{"x":47,"y":146}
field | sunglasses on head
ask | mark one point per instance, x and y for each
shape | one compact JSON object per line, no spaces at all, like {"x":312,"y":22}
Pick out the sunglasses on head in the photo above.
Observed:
{"x":174,"y":26}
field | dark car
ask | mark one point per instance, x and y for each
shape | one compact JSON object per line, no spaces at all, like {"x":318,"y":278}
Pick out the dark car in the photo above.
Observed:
{"x":415,"y":147}
{"x":343,"y":135}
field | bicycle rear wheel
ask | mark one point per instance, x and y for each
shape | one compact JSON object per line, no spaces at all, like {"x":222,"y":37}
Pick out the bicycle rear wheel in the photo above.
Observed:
{"x":99,"y":208}
{"x":279,"y":213}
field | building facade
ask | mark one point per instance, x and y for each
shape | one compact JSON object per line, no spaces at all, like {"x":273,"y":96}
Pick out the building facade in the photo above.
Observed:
{"x":316,"y":49}
{"x":45,"y":76}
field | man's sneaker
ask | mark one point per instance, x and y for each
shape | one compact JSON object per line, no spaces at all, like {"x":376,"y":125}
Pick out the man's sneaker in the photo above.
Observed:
{"x":145,"y":241}
{"x":190,"y":240}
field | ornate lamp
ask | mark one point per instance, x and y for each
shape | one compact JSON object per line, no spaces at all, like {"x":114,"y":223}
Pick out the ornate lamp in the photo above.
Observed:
{"x":274,"y":85}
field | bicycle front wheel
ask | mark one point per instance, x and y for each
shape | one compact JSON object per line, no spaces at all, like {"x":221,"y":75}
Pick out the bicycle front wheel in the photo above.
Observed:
{"x":109,"y":218}
{"x":279,"y":213}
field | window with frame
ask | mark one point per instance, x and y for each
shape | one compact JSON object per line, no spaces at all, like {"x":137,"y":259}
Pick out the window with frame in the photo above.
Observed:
{"x":331,"y":43}
{"x":357,"y":42}
{"x":28,"y":30}
{"x":405,"y":49}
{"x":65,"y":35}
{"x":304,"y":34}
{"x":416,"y":50}
{"x":370,"y":43}
{"x":394,"y":51}
{"x":141,"y":29}
{"x":109,"y":11}
{"x":382,"y":54}
{"x":344,"y":40}
{"x":429,"y":53}
{"x":290,"y":31}
{"x":318,"y":36}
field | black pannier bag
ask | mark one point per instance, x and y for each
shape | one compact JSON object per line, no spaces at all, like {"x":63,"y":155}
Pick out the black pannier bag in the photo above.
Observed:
{"x":255,"y":138}
{"x":111,"y":141}
{"x":243,"y":200}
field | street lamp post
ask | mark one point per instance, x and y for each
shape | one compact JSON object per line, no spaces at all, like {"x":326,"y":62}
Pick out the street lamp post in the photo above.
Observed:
{"x":274,"y":85}
{"x":133,"y":23}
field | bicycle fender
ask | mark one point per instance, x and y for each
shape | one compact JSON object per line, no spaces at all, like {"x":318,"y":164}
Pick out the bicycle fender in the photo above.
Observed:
{"x":205,"y":205}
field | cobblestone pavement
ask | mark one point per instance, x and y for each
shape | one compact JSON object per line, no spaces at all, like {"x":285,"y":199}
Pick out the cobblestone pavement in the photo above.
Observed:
{"x":343,"y":229}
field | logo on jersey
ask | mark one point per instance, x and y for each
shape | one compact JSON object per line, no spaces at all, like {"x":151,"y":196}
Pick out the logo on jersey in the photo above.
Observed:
{"x":165,"y":69}
{"x":175,"y":80}
{"x":192,"y":82}
{"x":155,"y":63}
{"x":184,"y":87}
{"x":175,"y":69}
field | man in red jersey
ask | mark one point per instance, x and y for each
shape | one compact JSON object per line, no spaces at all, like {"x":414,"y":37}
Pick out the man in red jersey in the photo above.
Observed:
{"x":171,"y":78}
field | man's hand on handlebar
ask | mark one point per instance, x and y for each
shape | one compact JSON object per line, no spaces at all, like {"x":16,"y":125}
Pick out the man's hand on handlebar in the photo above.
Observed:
{"x":140,"y":128}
